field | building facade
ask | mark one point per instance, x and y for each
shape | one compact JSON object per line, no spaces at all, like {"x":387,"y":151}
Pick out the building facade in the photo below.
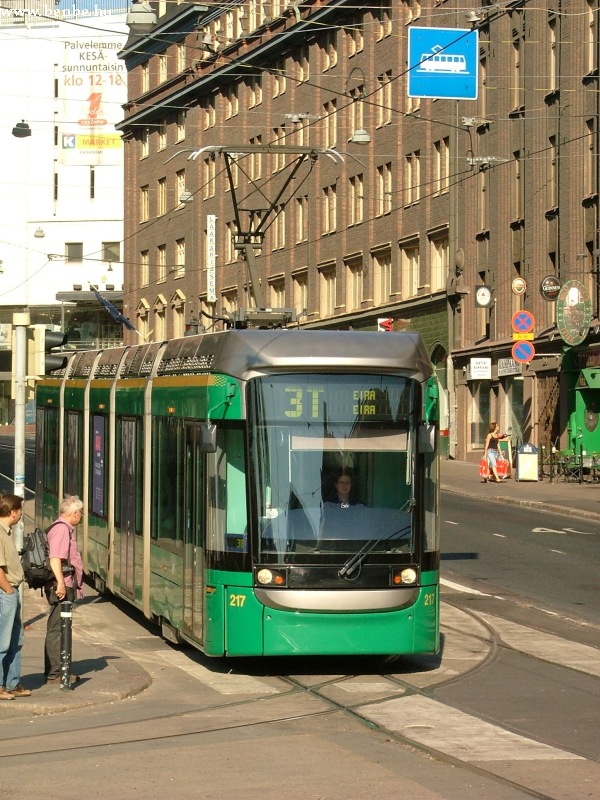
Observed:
{"x":61,"y":230}
{"x":405,"y":209}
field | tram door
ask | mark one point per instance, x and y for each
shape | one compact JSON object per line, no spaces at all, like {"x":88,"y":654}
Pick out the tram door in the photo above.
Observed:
{"x":193,"y":556}
{"x":126,"y":508}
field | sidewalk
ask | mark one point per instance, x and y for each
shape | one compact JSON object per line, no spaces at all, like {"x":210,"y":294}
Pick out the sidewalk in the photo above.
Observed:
{"x":108,"y":674}
{"x":562,"y":497}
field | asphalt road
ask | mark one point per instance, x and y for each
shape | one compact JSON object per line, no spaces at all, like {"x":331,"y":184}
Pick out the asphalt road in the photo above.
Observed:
{"x":549,"y":558}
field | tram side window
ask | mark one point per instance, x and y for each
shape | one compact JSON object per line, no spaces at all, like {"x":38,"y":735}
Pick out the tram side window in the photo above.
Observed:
{"x":47,"y":433}
{"x":129,"y":476}
{"x":99,"y":466}
{"x":167,"y":479}
{"x":73,"y":457}
{"x":228,"y":521}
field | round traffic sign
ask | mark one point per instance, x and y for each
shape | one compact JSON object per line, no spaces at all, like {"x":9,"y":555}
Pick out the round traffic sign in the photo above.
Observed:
{"x":522,"y":352}
{"x":523,"y":321}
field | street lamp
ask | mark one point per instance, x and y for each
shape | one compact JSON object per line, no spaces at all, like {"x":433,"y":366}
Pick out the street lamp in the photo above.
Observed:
{"x":360,"y":135}
{"x":21,"y":130}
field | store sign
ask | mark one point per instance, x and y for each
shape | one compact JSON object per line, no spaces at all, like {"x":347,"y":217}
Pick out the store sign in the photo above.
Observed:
{"x":573,"y":312}
{"x":479,"y":369}
{"x":550,"y":288}
{"x":211,"y":258}
{"x":508,"y":366}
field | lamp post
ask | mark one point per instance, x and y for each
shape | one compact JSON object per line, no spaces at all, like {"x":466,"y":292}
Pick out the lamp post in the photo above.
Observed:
{"x":360,"y":135}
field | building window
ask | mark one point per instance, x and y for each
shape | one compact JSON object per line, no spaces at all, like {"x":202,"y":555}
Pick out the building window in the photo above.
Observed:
{"x":384,"y":189}
{"x":162,"y":68}
{"x":180,"y":258}
{"x":180,"y":125}
{"x":329,"y":208}
{"x":412,"y":10}
{"x":516,"y":75}
{"x":354,"y":30}
{"x":231,"y":102}
{"x":179,"y":185}
{"x":145,"y":70}
{"x":277,"y":289}
{"x":300,"y":285}
{"x":255,"y":94}
{"x":73,"y":251}
{"x":209,"y":114}
{"x":180,"y":57}
{"x":330,"y":123}
{"x":382,"y":276}
{"x":516,"y":200}
{"x":412,"y":192}
{"x":210,"y":175}
{"x":439,"y":258}
{"x":230,"y":301}
{"x":329,"y":51}
{"x":256,"y":160}
{"x":552,"y":56}
{"x":144,"y":143}
{"x":409,"y":269}
{"x":230,"y":251}
{"x":302,"y":218}
{"x":144,"y":268}
{"x":162,"y":135}
{"x":383,"y":16}
{"x":483,"y":86}
{"x":161,"y":197}
{"x":279,"y":78}
{"x":482,"y":202}
{"x":354,"y":283}
{"x":278,"y":228}
{"x":304,"y":65}
{"x":383,"y":98}
{"x":552,"y":183}
{"x":144,"y":203}
{"x":161,"y":262}
{"x":356,"y":206}
{"x":327,"y":287}
{"x":159,"y":324}
{"x":590,"y":36}
{"x":278,"y":139}
{"x":590,"y":157}
{"x":442,"y":165}
{"x":111,"y":252}
{"x":178,"y":321}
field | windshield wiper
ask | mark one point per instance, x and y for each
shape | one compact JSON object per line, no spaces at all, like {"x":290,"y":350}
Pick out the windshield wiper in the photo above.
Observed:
{"x":355,"y":560}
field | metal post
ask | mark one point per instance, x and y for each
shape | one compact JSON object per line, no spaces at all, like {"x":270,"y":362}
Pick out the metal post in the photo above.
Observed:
{"x":66,"y":643}
{"x":21,"y":322}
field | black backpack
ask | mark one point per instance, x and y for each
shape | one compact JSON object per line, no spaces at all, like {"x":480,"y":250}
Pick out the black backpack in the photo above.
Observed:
{"x":35,"y":560}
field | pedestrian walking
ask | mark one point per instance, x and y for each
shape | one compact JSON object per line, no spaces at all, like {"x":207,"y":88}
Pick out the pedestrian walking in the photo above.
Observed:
{"x":492,"y":449}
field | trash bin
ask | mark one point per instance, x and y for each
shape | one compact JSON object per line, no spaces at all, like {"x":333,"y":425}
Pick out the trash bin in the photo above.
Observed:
{"x":527,"y":463}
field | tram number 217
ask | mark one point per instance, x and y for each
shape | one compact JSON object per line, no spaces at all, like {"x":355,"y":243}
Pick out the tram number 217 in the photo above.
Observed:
{"x":237,"y":600}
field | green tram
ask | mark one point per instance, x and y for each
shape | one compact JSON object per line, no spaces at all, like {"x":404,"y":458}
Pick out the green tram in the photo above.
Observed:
{"x":207,"y":464}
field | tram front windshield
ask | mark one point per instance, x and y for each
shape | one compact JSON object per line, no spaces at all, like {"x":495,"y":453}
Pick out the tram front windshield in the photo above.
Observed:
{"x":332,"y":465}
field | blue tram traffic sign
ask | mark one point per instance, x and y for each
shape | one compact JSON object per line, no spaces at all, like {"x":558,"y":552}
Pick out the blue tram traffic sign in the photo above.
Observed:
{"x":522,"y":352}
{"x":443,"y":62}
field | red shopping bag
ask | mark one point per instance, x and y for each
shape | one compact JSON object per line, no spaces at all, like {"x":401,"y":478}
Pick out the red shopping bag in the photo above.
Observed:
{"x":484,"y":469}
{"x":502,"y":468}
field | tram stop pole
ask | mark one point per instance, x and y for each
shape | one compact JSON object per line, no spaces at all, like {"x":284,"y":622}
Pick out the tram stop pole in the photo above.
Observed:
{"x":66,"y":643}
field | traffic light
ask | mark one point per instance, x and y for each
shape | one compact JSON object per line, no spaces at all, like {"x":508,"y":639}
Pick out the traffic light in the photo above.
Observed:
{"x":41,"y":342}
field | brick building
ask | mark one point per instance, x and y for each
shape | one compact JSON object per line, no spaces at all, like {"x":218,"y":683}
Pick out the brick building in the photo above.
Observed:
{"x":415,"y":204}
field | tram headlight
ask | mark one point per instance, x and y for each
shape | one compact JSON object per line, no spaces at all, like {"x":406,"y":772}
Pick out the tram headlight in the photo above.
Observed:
{"x":271,"y":577}
{"x":404,"y":577}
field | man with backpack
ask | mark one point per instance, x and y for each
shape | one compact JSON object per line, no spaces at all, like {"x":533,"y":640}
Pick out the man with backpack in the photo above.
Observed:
{"x":67,"y":566}
{"x":11,"y":578}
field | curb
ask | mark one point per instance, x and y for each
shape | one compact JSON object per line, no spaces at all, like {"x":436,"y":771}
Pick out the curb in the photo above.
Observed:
{"x":533,"y":504}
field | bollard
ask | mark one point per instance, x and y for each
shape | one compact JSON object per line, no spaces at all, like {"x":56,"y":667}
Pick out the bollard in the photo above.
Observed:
{"x":66,"y":643}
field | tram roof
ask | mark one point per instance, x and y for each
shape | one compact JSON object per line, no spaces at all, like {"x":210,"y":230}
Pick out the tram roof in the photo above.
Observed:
{"x":247,"y":353}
